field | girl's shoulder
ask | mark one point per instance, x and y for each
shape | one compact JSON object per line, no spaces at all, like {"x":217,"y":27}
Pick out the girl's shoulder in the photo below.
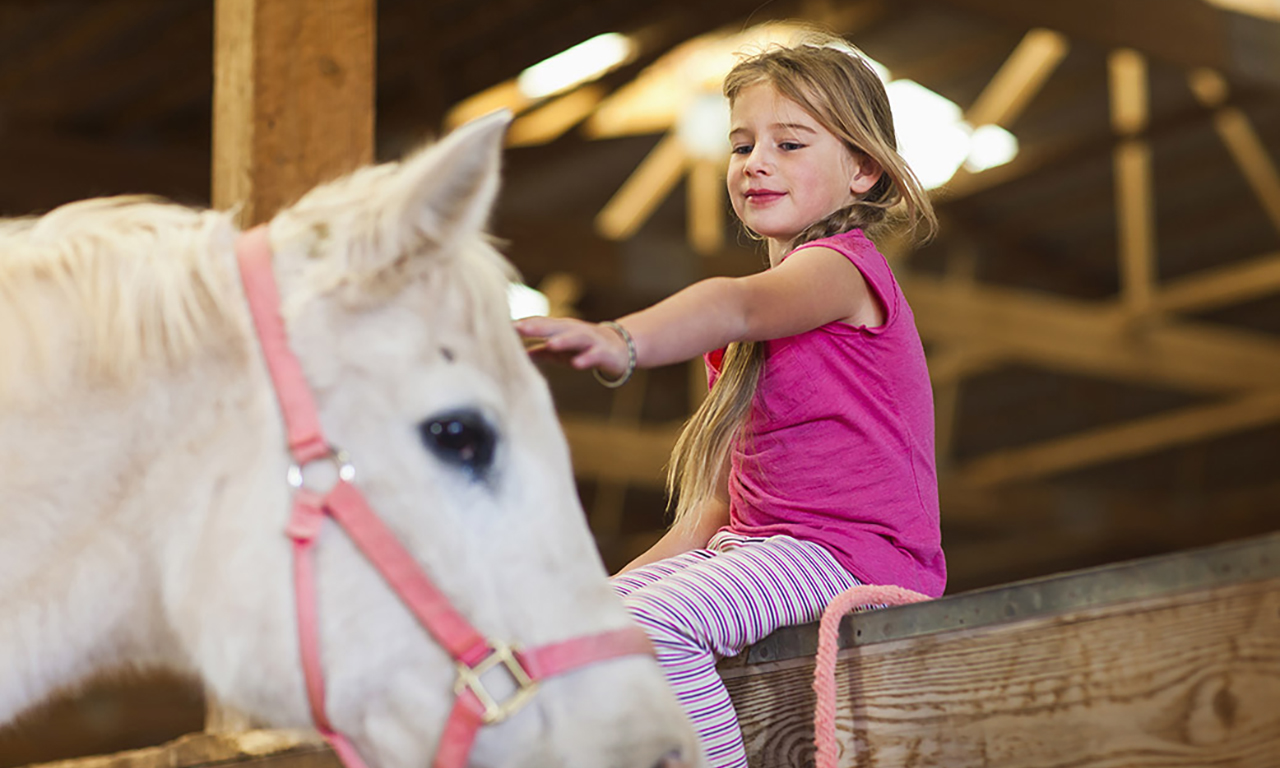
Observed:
{"x":853,"y":243}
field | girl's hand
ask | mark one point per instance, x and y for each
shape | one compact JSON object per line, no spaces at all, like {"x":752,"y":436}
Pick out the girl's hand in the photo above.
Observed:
{"x":574,"y":342}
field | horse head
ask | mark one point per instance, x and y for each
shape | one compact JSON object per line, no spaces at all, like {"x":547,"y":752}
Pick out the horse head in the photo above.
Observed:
{"x":394,"y":303}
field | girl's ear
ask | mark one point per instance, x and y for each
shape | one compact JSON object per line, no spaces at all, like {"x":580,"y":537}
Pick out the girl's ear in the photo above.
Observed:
{"x":866,"y":172}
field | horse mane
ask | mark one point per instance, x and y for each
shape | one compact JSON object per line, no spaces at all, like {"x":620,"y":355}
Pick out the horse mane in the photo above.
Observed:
{"x":127,"y":280}
{"x":100,"y":289}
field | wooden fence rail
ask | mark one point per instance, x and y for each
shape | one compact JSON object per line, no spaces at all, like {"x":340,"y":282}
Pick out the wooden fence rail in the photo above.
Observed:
{"x":1169,"y":661}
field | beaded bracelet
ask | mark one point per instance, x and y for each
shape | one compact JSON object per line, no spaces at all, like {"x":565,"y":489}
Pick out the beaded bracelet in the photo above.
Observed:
{"x":631,"y":358}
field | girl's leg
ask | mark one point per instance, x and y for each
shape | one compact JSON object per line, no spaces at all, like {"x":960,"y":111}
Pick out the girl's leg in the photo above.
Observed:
{"x":709,"y":606}
{"x":626,"y":583}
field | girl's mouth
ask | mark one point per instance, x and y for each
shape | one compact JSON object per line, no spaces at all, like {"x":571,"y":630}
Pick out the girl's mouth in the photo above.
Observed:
{"x":762,"y":196}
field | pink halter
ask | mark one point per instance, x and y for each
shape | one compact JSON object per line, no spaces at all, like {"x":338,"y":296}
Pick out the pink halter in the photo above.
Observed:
{"x":473,"y":654}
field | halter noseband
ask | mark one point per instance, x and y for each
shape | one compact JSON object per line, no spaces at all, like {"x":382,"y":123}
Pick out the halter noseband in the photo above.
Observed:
{"x":473,"y":654}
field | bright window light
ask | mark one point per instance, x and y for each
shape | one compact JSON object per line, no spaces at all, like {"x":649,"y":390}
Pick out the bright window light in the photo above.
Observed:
{"x":931,"y":135}
{"x":703,"y":127}
{"x":583,"y":62}
{"x":525,"y":301}
{"x":989,"y":146}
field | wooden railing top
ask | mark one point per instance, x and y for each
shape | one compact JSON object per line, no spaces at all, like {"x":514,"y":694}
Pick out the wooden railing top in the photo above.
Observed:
{"x":1252,"y":559}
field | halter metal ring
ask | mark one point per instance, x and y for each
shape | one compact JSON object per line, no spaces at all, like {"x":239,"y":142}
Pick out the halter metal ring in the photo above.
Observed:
{"x":336,"y":456}
{"x":494,"y":710}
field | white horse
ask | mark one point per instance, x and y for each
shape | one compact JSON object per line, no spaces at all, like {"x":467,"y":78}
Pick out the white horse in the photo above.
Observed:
{"x":142,"y":462}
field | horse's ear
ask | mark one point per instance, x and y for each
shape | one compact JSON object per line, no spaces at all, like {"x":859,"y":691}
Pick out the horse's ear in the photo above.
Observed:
{"x":448,"y":189}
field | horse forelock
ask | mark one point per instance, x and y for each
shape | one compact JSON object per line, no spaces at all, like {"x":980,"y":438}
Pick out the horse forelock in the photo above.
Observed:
{"x":103,"y":288}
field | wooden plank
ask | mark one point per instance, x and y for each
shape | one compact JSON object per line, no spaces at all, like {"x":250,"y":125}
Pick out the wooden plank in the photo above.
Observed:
{"x":1167,"y":661}
{"x":250,"y":749}
{"x":1019,"y":79}
{"x":1161,"y":683}
{"x":293,"y":99}
{"x":1122,"y":441}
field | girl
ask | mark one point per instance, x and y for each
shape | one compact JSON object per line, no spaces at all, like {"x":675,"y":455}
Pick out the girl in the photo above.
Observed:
{"x":809,"y":468}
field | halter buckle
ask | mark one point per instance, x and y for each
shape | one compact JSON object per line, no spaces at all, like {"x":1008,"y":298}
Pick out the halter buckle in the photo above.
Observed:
{"x":494,"y":710}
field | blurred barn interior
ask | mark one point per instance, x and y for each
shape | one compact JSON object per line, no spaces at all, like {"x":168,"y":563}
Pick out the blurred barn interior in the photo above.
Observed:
{"x":1101,"y":308}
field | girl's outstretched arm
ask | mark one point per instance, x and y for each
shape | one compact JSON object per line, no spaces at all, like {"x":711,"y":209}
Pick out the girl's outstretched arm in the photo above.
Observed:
{"x":811,"y":288}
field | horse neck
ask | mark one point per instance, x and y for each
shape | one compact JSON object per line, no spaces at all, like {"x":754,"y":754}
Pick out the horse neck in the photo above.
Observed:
{"x":104,"y":516}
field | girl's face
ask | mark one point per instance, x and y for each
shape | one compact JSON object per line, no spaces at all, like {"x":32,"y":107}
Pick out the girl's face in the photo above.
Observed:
{"x":787,"y":171}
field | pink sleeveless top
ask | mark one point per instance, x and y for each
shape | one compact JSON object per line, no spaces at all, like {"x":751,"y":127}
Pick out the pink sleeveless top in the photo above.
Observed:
{"x":839,"y":449}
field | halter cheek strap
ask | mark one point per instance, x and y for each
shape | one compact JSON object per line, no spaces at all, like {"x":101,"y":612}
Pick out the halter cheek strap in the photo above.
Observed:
{"x":474,"y":655}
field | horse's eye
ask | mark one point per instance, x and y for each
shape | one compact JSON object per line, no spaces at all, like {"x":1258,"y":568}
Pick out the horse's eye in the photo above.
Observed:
{"x":463,"y":439}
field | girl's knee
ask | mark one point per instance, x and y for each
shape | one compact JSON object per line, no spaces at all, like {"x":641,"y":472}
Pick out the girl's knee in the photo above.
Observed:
{"x":665,"y":623}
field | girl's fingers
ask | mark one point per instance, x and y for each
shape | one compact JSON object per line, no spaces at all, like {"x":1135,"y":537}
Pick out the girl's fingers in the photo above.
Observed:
{"x":564,"y":340}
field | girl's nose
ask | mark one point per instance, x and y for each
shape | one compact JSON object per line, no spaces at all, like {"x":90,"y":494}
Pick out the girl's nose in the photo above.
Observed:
{"x":756,"y":163}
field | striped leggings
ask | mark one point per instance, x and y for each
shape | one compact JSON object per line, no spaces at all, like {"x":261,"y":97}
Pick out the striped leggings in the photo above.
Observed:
{"x":713,"y":602}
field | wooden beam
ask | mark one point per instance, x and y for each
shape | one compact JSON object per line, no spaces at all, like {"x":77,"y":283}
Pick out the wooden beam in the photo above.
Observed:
{"x":1087,"y":337}
{"x":1035,"y":160}
{"x":705,"y":205}
{"x":550,"y":121}
{"x":1135,"y":198}
{"x":1267,"y":9}
{"x":1241,"y":140}
{"x":647,"y":186}
{"x":1019,"y":79}
{"x":632,"y":454}
{"x":1223,"y":286}
{"x":1123,"y":441}
{"x":293,"y":99}
{"x":1187,"y":33}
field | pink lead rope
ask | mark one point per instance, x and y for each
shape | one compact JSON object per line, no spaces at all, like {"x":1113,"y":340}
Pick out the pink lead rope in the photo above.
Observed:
{"x":824,"y":671}
{"x":473,"y":654}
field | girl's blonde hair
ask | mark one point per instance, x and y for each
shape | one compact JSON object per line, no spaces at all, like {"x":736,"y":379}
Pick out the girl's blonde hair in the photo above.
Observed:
{"x":831,"y":80}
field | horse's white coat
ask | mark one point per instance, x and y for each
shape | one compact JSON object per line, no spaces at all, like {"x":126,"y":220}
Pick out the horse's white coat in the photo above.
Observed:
{"x":142,"y":462}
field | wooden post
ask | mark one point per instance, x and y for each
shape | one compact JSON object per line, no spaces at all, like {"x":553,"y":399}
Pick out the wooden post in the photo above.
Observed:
{"x":293,"y":99}
{"x":1135,"y":194}
{"x":292,"y":107}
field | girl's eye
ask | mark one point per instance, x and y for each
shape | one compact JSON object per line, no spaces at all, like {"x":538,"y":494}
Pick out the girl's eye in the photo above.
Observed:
{"x":742,"y":150}
{"x":791,"y":145}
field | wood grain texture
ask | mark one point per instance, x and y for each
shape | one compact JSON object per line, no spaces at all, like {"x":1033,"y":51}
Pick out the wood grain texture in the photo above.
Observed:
{"x":1180,"y":680}
{"x":255,"y":749}
{"x":293,"y":99}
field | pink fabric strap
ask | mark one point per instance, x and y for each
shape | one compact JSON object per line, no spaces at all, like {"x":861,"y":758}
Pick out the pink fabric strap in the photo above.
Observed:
{"x":345,"y":504}
{"x":306,"y":441}
{"x":824,"y":672}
